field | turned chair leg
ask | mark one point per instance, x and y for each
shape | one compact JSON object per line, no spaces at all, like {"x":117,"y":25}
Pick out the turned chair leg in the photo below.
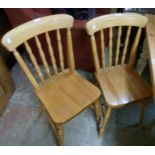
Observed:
{"x":60,"y":134}
{"x":105,"y":121}
{"x":98,"y":110}
{"x":142,"y":112}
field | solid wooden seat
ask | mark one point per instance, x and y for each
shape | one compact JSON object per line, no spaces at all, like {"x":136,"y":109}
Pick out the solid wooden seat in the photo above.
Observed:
{"x":115,"y":74}
{"x":122,"y":85}
{"x":66,"y":96}
{"x":63,"y":93}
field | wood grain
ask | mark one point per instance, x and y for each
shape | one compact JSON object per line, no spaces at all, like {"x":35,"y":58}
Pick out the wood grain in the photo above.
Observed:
{"x":34,"y":28}
{"x":51,"y":52}
{"x":34,"y":61}
{"x":120,"y":84}
{"x":133,"y":52}
{"x":61,"y":58}
{"x":126,"y":45}
{"x":42,"y":55}
{"x":110,"y":46}
{"x":95,"y":54}
{"x":116,"y":19}
{"x":71,"y":62}
{"x":102,"y":48}
{"x":118,"y":45}
{"x":65,"y":94}
{"x":25,"y":69}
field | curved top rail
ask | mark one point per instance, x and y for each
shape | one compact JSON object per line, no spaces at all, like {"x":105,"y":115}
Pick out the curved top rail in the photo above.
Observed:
{"x":117,"y":19}
{"x":21,"y":33}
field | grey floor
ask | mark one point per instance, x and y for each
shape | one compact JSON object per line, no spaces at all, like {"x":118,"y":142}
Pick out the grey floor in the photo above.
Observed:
{"x":23,"y":124}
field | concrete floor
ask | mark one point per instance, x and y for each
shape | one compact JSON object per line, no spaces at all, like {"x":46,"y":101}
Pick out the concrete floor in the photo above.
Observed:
{"x":23,"y":124}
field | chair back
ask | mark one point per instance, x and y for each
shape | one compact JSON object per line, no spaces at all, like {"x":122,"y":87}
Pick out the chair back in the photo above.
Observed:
{"x":22,"y":34}
{"x":119,"y":26}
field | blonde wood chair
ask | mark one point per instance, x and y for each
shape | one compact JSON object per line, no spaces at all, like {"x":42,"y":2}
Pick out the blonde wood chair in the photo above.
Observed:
{"x":65,"y":93}
{"x":116,"y":77}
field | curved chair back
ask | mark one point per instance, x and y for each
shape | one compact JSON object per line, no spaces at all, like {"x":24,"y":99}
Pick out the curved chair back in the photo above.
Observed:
{"x":31,"y":30}
{"x":117,"y":24}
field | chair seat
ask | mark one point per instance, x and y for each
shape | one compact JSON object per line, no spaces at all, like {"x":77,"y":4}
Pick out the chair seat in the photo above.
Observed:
{"x":122,"y":85}
{"x":65,"y":96}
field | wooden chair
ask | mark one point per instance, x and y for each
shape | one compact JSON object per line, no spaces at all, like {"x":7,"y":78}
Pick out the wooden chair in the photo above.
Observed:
{"x":116,"y":77}
{"x":65,"y":93}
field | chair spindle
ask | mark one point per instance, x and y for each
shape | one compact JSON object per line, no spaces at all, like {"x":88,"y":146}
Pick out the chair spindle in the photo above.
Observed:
{"x":110,"y":46}
{"x":33,"y":60}
{"x":102,"y":48}
{"x":70,"y":51}
{"x":42,"y":55}
{"x":126,"y":45}
{"x":118,"y":45}
{"x":60,"y":51}
{"x":50,"y":49}
{"x":134,"y":47}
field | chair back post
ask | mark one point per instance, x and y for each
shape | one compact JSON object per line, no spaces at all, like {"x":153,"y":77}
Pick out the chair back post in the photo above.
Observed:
{"x":25,"y":69}
{"x":133,"y":52}
{"x":95,"y":54}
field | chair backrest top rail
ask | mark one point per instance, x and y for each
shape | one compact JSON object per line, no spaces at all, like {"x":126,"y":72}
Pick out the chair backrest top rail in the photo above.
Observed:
{"x":114,"y":20}
{"x":28,"y":30}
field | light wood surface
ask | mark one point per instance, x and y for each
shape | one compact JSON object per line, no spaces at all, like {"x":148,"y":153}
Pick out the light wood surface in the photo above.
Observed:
{"x":150,"y":36}
{"x":116,"y":19}
{"x":25,"y":69}
{"x":134,"y":48}
{"x":70,"y":54}
{"x":64,"y":94}
{"x":106,"y":119}
{"x":33,"y":60}
{"x":42,"y":55}
{"x":60,"y":51}
{"x":118,"y":45}
{"x":95,"y":54}
{"x":102,"y":48}
{"x":119,"y":82}
{"x":110,"y":46}
{"x":50,"y":49}
{"x":34,"y":28}
{"x":122,"y":85}
{"x":126,"y":45}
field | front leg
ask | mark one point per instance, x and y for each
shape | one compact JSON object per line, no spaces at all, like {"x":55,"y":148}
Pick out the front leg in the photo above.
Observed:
{"x":60,"y":134}
{"x":98,"y":111}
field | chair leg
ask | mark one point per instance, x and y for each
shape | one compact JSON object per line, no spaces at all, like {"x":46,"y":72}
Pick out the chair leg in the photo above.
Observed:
{"x":58,"y":130}
{"x":60,"y":134}
{"x":98,"y":110}
{"x":142,"y":112}
{"x":105,"y":121}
